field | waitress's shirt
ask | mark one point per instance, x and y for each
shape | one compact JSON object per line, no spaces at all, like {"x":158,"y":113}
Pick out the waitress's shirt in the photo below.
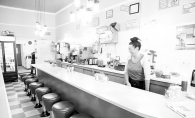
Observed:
{"x":138,"y":71}
{"x":135,"y":70}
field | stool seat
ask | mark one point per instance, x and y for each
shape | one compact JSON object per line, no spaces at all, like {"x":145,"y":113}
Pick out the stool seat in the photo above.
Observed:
{"x":63,"y":109}
{"x":81,"y":116}
{"x":50,"y":99}
{"x":39,"y":92}
{"x":31,"y":80}
{"x":26,"y":77}
{"x":33,"y":86}
{"x":42,"y":91}
{"x":23,"y":74}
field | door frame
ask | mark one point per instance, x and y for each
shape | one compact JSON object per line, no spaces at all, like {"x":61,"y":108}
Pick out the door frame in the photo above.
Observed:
{"x":3,"y":49}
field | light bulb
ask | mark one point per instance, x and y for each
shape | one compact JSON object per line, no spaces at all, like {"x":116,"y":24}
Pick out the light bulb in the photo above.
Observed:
{"x":39,"y":27}
{"x":41,"y":33}
{"x":72,"y":16}
{"x":96,"y":7}
{"x":37,"y":24}
{"x":77,"y":3}
{"x":36,"y":32}
{"x":88,"y":15}
{"x":80,"y":12}
{"x":45,"y":28}
{"x":90,"y":3}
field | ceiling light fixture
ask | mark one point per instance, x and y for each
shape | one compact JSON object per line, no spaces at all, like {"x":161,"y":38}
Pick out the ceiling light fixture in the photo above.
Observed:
{"x":84,"y":13}
{"x":41,"y":28}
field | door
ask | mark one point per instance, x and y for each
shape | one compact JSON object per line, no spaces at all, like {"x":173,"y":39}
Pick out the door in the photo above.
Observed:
{"x":18,"y":54}
{"x":10,"y":65}
{"x":43,"y":51}
{"x":1,"y":58}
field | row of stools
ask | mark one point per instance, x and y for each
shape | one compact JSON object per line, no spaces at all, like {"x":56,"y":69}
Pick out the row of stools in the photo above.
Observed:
{"x":48,"y":100}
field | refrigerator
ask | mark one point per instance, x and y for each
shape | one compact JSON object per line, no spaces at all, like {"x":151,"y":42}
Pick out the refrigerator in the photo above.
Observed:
{"x":8,"y":60}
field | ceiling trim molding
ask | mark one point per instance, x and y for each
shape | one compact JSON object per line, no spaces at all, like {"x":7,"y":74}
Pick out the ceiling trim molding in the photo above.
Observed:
{"x":64,"y":8}
{"x":1,"y":6}
{"x":105,"y":9}
{"x":22,"y":25}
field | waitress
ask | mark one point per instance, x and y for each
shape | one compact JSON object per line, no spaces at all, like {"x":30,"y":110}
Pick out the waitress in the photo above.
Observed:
{"x":137,"y":69}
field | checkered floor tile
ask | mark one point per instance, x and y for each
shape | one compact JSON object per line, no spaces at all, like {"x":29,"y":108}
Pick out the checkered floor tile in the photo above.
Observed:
{"x":20,"y":104}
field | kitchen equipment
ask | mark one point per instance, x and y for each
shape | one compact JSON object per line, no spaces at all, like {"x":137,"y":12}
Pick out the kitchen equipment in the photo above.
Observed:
{"x":184,"y":85}
{"x":193,"y":79}
{"x":100,"y":63}
{"x":94,"y":61}
{"x":85,"y":52}
{"x":90,"y":61}
{"x":120,"y":67}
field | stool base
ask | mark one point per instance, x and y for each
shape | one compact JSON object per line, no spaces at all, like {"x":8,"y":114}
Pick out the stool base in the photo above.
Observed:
{"x":33,"y":99}
{"x":25,"y":90}
{"x":44,"y":114}
{"x":38,"y":105}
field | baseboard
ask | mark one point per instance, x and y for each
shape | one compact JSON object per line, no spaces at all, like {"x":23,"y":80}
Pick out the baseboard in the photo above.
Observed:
{"x":26,"y":68}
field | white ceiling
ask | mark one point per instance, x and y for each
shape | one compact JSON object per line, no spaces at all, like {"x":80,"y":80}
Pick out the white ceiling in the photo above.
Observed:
{"x":51,"y":6}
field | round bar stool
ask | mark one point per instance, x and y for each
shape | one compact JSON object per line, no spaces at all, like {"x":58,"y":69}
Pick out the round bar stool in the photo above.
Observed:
{"x":39,"y":92}
{"x":48,"y":101}
{"x":23,"y":74}
{"x":24,"y":80}
{"x":81,"y":116}
{"x":26,"y":77}
{"x":33,"y":86}
{"x":63,"y":109}
{"x":29,"y":81}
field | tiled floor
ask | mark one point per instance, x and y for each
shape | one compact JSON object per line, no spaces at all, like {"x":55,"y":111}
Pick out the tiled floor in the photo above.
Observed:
{"x":20,"y":104}
{"x":21,"y":69}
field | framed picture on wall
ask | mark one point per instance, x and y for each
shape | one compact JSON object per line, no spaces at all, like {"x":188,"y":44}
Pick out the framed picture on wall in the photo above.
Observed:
{"x":134,"y":8}
{"x":109,"y":14}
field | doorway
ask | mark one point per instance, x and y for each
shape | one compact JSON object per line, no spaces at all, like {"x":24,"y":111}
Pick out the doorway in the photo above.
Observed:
{"x":18,"y":54}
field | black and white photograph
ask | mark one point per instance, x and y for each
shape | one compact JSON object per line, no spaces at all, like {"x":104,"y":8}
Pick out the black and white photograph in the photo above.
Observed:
{"x":97,"y":59}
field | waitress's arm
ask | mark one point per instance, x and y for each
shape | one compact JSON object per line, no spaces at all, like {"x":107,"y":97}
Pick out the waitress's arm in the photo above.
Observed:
{"x":126,"y":75}
{"x":147,"y":71}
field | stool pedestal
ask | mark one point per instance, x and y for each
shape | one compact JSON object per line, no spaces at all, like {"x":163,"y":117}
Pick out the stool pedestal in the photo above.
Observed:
{"x":48,"y":101}
{"x":63,"y":109}
{"x":39,"y":92}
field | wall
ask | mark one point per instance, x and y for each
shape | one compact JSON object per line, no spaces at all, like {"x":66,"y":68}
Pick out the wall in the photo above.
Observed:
{"x":86,"y":35}
{"x":22,"y":23}
{"x":161,"y":36}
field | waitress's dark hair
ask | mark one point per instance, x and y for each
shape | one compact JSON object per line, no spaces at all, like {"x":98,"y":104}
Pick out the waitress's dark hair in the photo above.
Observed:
{"x":135,"y":42}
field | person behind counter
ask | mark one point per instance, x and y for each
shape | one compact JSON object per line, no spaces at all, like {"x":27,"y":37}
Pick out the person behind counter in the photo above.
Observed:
{"x":32,"y":61}
{"x":137,"y":69}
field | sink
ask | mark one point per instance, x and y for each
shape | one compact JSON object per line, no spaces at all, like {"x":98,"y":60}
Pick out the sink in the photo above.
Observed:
{"x":119,"y":67}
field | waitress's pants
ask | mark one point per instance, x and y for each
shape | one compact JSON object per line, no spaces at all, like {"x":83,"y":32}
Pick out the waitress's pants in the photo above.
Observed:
{"x":137,"y":84}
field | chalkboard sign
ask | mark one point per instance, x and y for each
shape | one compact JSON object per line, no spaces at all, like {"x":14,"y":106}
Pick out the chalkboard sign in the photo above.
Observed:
{"x":163,"y":4}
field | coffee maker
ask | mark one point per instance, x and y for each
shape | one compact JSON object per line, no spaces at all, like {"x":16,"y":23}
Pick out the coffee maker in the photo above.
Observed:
{"x":85,"y":52}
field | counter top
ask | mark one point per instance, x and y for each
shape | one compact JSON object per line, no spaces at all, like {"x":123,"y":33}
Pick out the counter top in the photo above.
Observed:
{"x":97,"y":68}
{"x":140,"y":102}
{"x":173,"y":80}
{"x":4,"y":105}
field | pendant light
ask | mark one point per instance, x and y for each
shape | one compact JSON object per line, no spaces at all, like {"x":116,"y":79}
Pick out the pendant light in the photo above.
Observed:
{"x":77,"y":3}
{"x":84,"y":12}
{"x":41,"y":28}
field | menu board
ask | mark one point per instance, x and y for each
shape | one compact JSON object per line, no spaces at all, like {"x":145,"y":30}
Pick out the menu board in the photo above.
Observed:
{"x":188,"y":8}
{"x":163,"y":4}
{"x":95,"y":22}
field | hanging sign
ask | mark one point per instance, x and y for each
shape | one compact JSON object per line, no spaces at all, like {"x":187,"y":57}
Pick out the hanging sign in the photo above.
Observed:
{"x":163,"y":4}
{"x":77,"y":26}
{"x":131,"y":24}
{"x":124,"y":8}
{"x":95,"y":22}
{"x":188,"y":8}
{"x":109,"y":14}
